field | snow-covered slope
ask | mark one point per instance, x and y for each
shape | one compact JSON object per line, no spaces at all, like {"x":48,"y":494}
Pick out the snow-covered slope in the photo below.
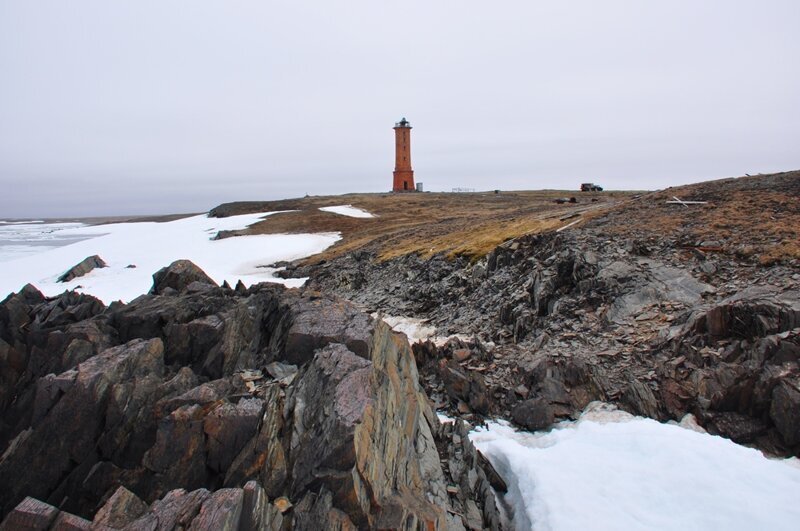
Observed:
{"x":610,"y":470}
{"x":151,"y":246}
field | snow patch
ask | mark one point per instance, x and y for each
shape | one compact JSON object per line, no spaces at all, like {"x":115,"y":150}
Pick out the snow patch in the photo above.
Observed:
{"x":348,"y":210}
{"x":417,"y":329}
{"x":444,"y":419}
{"x":150,"y":246}
{"x":611,"y":470}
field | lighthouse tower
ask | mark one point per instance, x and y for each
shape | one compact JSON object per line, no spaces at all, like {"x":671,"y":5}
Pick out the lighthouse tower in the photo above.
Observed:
{"x":403,"y":174}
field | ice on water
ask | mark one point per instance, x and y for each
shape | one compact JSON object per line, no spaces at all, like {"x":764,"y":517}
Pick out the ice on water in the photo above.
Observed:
{"x":150,"y":246}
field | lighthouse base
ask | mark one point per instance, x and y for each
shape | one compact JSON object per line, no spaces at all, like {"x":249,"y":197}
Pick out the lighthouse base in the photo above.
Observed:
{"x":403,"y":181}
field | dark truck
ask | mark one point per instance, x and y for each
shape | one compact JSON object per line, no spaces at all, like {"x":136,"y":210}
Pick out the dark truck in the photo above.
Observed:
{"x":591,"y":187}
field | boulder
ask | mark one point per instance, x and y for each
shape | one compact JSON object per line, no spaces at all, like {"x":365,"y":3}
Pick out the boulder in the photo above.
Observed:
{"x":464,"y":385}
{"x":533,"y":414}
{"x":178,"y":276}
{"x":84,"y":266}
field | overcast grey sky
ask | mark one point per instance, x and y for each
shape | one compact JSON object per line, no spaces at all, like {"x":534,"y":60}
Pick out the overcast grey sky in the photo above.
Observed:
{"x":155,"y":106}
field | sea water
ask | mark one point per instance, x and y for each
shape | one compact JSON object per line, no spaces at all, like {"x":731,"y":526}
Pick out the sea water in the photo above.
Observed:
{"x":25,"y":238}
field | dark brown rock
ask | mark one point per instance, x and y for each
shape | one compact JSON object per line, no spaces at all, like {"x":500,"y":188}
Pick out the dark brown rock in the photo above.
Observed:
{"x":221,"y":511}
{"x":228,"y":428}
{"x":178,"y":276}
{"x":70,"y":522}
{"x":122,"y":508}
{"x":86,"y":265}
{"x":785,"y":411}
{"x":534,"y":414}
{"x":30,"y":515}
{"x":317,"y":322}
{"x":464,"y":384}
{"x":257,"y":513}
{"x":97,"y":402}
{"x":264,"y":456}
{"x":177,"y":510}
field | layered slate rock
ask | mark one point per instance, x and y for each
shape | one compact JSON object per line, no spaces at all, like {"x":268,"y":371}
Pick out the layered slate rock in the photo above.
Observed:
{"x":736,"y":366}
{"x":203,"y":407}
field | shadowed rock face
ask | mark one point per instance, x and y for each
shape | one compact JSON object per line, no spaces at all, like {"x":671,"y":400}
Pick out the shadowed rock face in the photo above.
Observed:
{"x":164,"y":413}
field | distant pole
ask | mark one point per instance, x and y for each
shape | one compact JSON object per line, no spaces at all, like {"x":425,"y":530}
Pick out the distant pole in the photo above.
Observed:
{"x":403,"y":174}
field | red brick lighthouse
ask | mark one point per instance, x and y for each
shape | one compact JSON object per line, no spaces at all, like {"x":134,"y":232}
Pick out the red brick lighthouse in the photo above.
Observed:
{"x":403,"y":174}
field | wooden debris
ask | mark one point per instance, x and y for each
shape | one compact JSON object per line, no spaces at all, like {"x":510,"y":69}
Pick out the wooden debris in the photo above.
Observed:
{"x":569,"y":225}
{"x":678,"y":201}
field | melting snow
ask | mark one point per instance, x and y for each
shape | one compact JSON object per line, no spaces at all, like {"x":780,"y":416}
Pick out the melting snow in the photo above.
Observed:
{"x":150,"y":246}
{"x":610,"y":470}
{"x":418,"y":329}
{"x":415,"y":329}
{"x":348,"y":210}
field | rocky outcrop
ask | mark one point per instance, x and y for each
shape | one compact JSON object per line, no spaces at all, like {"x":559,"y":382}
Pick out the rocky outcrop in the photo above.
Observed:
{"x":736,"y":367}
{"x":203,"y":407}
{"x":177,"y":276}
{"x":84,"y":266}
{"x":660,"y":326}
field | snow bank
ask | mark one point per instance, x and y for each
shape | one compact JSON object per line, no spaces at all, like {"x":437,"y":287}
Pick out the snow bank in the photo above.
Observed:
{"x":150,"y":246}
{"x":417,"y":329}
{"x":610,"y":470}
{"x":348,"y":210}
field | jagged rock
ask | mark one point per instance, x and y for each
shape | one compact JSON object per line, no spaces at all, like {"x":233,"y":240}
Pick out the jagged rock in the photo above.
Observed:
{"x":84,"y":266}
{"x":227,"y":428}
{"x":316,"y":511}
{"x":70,"y":522}
{"x":66,"y":434}
{"x":221,"y":511}
{"x":466,"y":385}
{"x":194,"y":392}
{"x":30,"y":515}
{"x":785,"y":411}
{"x":641,"y":400}
{"x":177,"y":510}
{"x":122,"y":508}
{"x":257,"y":513}
{"x":316,"y":323}
{"x":178,"y":276}
{"x":264,"y":456}
{"x":474,"y":477}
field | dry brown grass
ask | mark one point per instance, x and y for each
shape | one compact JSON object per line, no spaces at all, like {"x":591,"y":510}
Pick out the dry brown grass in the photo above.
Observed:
{"x":749,"y":217}
{"x":752,"y":217}
{"x":468,"y":225}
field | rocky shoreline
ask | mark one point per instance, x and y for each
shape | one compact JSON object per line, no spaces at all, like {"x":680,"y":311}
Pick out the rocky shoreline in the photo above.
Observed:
{"x":200,"y":406}
{"x":207,"y":407}
{"x":659,"y":324}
